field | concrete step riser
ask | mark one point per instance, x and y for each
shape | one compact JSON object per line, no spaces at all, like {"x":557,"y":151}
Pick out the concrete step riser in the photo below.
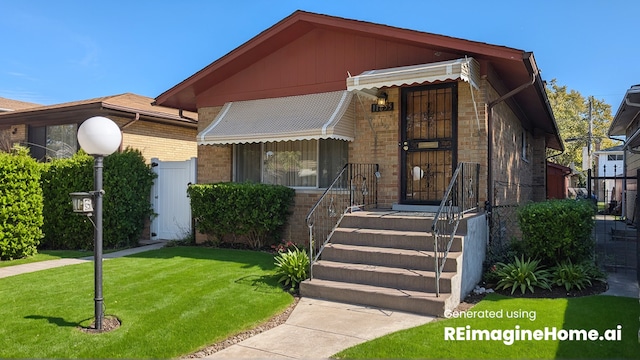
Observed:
{"x":352,"y":296}
{"x":408,"y":241}
{"x":419,"y":261}
{"x":376,"y":278}
{"x":402,"y":224}
{"x":396,"y":223}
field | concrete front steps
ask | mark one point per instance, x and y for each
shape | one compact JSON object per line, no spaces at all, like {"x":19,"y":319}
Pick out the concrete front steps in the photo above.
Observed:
{"x":385,"y":259}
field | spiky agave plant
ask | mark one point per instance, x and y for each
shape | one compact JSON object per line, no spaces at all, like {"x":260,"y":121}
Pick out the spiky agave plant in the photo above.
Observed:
{"x":522,"y":274}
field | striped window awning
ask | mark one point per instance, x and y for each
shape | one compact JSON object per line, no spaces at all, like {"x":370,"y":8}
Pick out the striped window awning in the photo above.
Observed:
{"x":466,"y":69}
{"x":303,"y":117}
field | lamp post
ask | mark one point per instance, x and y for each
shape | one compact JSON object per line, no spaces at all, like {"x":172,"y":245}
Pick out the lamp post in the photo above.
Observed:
{"x":99,"y":137}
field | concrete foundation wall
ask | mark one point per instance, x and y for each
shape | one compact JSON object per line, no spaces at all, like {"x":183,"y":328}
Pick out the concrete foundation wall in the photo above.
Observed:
{"x":473,"y":253}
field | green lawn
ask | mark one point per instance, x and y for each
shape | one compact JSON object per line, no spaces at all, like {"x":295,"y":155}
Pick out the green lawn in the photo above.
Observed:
{"x":171,"y":302}
{"x":601,"y":313}
{"x":44,"y":255}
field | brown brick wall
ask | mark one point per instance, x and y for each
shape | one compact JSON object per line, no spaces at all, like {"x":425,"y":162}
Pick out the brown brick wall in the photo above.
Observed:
{"x":376,"y":142}
{"x":13,"y":135}
{"x":516,"y":179}
{"x":472,"y":133}
{"x":214,"y":161}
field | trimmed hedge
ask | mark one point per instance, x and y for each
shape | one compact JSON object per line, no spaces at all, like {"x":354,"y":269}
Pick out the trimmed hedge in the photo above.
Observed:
{"x":20,"y":205}
{"x":557,"y":230}
{"x":127,"y":183}
{"x":255,"y":211}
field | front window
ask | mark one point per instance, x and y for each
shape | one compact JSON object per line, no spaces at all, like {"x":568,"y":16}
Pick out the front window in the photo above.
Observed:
{"x":62,"y":141}
{"x":53,"y":142}
{"x":304,"y":163}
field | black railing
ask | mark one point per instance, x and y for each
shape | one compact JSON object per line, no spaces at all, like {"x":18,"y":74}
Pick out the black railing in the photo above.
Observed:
{"x":460,"y":197}
{"x":354,"y":188}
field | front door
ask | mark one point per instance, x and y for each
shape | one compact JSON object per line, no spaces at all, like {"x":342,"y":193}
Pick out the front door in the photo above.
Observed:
{"x":428,"y":144}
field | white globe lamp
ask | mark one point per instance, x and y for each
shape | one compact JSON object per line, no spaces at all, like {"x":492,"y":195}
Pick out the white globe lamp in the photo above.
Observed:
{"x":99,"y":137}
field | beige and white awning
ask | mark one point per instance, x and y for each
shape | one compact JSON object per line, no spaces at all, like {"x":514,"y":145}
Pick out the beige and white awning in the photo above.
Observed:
{"x":303,"y":117}
{"x":466,"y":69}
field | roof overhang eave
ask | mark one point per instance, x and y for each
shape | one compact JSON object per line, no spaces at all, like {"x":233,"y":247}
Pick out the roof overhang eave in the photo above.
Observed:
{"x":628,"y":111}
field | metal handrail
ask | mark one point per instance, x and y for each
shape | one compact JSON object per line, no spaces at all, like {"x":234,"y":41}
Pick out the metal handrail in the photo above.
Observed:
{"x":354,"y":188}
{"x":460,"y":198}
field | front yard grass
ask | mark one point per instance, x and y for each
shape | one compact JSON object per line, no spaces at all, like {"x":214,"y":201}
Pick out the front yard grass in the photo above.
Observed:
{"x":592,"y":312}
{"x":171,"y":302}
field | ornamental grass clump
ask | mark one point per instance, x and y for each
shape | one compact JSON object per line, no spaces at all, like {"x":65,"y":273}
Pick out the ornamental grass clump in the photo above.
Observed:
{"x":293,"y":267}
{"x":522,"y":274}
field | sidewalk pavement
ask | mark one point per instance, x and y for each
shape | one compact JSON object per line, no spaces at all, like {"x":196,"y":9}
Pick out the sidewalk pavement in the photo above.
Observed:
{"x":623,"y":283}
{"x":50,"y":264}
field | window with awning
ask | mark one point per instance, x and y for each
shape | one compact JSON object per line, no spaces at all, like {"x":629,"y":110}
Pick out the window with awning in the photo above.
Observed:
{"x":466,"y":69}
{"x":292,"y":118}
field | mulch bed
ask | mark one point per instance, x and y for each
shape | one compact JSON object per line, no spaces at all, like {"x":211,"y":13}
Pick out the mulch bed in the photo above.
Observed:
{"x":556,"y":292}
{"x":108,"y":323}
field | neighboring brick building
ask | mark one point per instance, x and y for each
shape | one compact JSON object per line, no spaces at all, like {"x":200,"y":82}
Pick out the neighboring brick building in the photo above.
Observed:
{"x":51,"y":131}
{"x":454,"y":101}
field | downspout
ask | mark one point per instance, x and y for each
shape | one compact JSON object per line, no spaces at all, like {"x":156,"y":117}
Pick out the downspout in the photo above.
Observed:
{"x":490,"y":107}
{"x":135,"y":119}
{"x":184,"y":117}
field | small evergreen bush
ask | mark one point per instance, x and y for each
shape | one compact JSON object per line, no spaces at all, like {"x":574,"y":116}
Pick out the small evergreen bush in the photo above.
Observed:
{"x":257,"y":212}
{"x":557,"y":230}
{"x":20,"y":205}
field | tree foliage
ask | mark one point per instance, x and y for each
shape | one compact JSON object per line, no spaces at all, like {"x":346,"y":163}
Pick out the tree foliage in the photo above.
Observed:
{"x":571,"y":111}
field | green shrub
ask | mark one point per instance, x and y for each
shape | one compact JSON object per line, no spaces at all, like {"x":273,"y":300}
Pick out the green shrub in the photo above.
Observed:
{"x":571,"y":275}
{"x":293,"y":267}
{"x":20,"y":205}
{"x":522,"y":274}
{"x":127,"y":204}
{"x":557,"y":230}
{"x":127,"y":183}
{"x":63,"y":229}
{"x":255,"y":211}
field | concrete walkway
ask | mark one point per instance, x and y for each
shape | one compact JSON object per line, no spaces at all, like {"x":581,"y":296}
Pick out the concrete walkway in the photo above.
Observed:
{"x":317,"y":329}
{"x":50,"y":264}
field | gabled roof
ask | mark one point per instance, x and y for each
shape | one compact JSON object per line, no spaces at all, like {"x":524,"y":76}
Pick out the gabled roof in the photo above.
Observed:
{"x":512,"y":67}
{"x":126,"y":104}
{"x":13,"y":105}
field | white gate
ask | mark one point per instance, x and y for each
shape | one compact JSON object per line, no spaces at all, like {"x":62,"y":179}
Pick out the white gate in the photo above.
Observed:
{"x":169,"y":199}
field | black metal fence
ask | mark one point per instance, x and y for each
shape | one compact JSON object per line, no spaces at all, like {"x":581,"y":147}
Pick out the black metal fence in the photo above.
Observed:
{"x":616,"y":220}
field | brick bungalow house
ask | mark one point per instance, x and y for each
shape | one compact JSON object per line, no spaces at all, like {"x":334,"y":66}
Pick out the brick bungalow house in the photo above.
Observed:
{"x":329,"y":91}
{"x":51,"y":131}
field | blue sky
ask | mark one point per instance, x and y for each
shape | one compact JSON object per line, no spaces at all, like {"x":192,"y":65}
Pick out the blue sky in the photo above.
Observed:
{"x":60,"y":51}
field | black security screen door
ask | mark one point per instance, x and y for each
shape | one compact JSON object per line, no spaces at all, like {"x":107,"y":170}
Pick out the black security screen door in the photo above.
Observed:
{"x":428,"y":145}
